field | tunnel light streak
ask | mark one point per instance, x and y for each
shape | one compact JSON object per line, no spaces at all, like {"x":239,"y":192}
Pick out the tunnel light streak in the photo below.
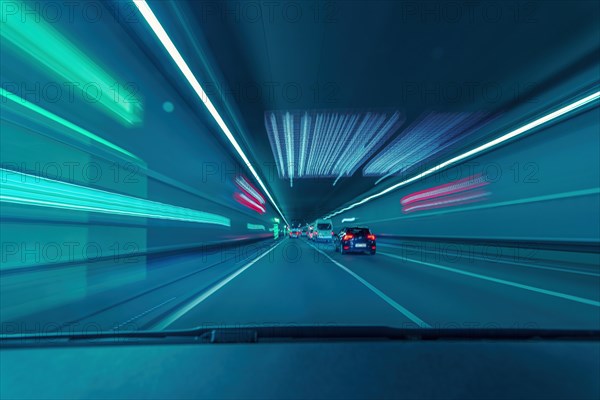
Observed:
{"x":564,"y":296}
{"x":205,"y":295}
{"x":550,"y":197}
{"x":462,"y":191}
{"x":305,"y":122}
{"x":248,"y":202}
{"x":289,"y":146}
{"x":67,"y":124}
{"x":431,"y":135}
{"x":244,"y":185}
{"x":383,"y":296}
{"x":352,"y":144}
{"x":248,"y":196}
{"x":447,"y":201}
{"x":33,"y":190}
{"x":38,"y":39}
{"x":280,"y":164}
{"x":166,"y":41}
{"x":348,"y":220}
{"x":255,"y":227}
{"x":460,"y":185}
{"x":519,"y":131}
{"x":335,"y":145}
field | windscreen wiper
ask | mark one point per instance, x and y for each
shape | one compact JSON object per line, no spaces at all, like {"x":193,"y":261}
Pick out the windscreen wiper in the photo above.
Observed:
{"x":256,"y":334}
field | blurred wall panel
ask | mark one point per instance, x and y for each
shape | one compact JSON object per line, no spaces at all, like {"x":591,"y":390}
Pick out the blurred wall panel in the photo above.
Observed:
{"x":103,"y":161}
{"x":543,"y":187}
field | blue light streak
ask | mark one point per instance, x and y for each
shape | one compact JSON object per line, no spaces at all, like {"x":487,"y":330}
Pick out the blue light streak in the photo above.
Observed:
{"x":326,"y":144}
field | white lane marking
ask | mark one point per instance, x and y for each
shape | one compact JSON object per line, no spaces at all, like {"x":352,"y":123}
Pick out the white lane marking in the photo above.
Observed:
{"x":501,"y":281}
{"x":383,"y":296}
{"x":116,"y":327}
{"x":205,"y":295}
{"x":571,"y":271}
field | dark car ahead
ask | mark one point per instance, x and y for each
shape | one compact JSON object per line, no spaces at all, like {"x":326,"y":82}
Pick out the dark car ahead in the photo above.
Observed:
{"x":295,"y":233}
{"x":355,"y":240}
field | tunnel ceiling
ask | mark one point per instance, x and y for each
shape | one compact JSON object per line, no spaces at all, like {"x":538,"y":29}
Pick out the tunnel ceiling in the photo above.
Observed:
{"x":436,"y":70}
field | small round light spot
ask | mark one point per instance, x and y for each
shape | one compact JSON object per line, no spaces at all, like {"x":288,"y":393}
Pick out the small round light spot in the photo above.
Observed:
{"x":168,"y":106}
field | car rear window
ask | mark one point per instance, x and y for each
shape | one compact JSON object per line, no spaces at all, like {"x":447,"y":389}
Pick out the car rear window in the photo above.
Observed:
{"x":323,"y":226}
{"x":359,"y":231}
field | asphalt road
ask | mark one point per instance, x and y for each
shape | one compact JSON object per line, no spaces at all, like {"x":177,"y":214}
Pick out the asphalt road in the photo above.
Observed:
{"x":297,"y":282}
{"x":303,"y":283}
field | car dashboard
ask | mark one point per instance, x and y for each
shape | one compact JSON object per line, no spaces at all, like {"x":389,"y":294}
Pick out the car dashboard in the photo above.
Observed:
{"x":318,"y":369}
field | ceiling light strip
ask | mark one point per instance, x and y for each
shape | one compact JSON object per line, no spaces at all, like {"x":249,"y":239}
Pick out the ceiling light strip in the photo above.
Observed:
{"x":313,"y":143}
{"x":187,"y":72}
{"x":344,"y":128}
{"x":351,"y":146}
{"x":305,"y":125}
{"x":288,"y":127}
{"x":281,"y":165}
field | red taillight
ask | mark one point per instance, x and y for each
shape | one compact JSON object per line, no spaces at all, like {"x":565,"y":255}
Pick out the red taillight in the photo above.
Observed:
{"x":371,"y":237}
{"x":348,"y":236}
{"x":332,"y":233}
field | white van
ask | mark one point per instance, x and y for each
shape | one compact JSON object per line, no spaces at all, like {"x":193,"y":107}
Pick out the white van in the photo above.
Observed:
{"x":324,"y":230}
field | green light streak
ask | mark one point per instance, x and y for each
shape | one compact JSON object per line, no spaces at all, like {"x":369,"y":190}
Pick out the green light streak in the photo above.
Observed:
{"x":35,"y":37}
{"x":32,"y":190}
{"x":67,"y":124}
{"x":255,"y":227}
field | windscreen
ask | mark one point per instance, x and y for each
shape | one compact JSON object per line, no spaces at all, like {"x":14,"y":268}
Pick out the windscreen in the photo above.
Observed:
{"x":160,"y":161}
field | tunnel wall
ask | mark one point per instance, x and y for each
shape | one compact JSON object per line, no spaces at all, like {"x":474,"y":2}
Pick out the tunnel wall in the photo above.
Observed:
{"x":100,"y":123}
{"x":542,"y":187}
{"x":173,"y":153}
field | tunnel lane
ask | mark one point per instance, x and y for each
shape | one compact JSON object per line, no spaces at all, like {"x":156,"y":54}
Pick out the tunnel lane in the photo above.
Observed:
{"x":297,"y":282}
{"x":308,"y":284}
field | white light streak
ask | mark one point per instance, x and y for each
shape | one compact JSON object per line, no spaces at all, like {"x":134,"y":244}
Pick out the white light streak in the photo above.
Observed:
{"x":191,"y":78}
{"x":326,"y":144}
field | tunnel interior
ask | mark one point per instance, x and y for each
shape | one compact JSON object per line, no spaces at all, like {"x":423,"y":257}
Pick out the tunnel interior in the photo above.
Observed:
{"x":153,"y":152}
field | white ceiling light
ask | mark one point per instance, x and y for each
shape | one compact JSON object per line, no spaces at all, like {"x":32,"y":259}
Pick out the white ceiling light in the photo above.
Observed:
{"x":326,"y":144}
